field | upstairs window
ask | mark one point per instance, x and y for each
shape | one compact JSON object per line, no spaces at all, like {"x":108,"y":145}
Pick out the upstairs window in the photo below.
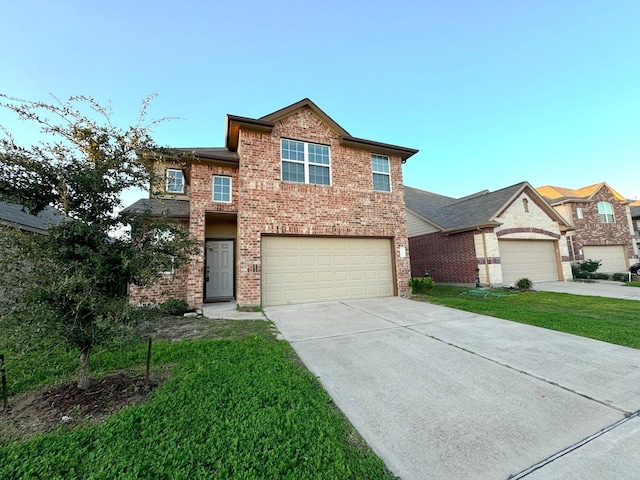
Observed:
{"x":222,"y":189}
{"x":525,"y":204}
{"x":304,"y":162}
{"x":579,"y":213}
{"x":381,"y":173}
{"x":605,"y":211}
{"x":175,"y":181}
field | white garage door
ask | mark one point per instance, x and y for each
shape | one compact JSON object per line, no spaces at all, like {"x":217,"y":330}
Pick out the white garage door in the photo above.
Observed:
{"x":317,"y":269}
{"x":613,"y":257}
{"x":532,"y":259}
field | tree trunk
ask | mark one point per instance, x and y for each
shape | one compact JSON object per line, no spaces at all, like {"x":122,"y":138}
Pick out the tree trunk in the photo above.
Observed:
{"x":83,"y":370}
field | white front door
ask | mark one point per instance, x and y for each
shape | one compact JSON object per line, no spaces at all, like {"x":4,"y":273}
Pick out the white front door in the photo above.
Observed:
{"x":219,"y":269}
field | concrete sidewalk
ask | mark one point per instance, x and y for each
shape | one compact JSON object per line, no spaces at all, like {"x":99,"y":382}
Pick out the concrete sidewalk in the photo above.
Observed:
{"x":442,"y":393}
{"x":595,"y":289}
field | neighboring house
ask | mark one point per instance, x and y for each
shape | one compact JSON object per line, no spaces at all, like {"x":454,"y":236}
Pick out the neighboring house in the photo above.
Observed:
{"x":495,"y":237}
{"x":602,"y":225}
{"x":292,"y":209}
{"x":634,"y":209}
{"x":17,"y":216}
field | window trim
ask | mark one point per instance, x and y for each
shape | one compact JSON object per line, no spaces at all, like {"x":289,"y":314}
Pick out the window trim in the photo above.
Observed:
{"x":213,"y":188}
{"x":166,"y":185}
{"x":604,"y":215}
{"x":305,"y":162}
{"x":377,"y":172}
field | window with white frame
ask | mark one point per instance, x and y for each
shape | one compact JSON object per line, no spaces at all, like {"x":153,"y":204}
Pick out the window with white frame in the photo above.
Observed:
{"x":175,"y":181}
{"x":579,"y":213}
{"x":304,"y":162}
{"x":221,"y":189}
{"x":167,"y":263}
{"x":605,"y":211}
{"x":381,"y":173}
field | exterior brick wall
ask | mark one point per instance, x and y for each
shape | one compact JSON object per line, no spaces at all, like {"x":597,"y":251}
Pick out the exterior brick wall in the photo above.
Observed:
{"x":589,"y":230}
{"x":349,"y":207}
{"x":265,"y":205}
{"x":447,"y":258}
{"x":170,"y":286}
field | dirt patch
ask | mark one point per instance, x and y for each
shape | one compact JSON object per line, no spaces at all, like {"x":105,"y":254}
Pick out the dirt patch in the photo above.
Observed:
{"x":66,"y":405}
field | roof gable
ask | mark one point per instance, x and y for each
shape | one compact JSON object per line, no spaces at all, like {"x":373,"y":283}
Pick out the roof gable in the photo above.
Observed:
{"x":557,"y":195}
{"x":472,"y":211}
{"x":286,"y":111}
{"x":265,"y":124}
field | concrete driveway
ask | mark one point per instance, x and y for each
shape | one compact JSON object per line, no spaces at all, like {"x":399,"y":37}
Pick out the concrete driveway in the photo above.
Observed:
{"x":441,"y":393}
{"x":595,"y":289}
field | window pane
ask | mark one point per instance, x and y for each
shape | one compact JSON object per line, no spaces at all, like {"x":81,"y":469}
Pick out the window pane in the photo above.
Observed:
{"x":319,"y":175}
{"x":380,"y":164}
{"x":175,"y":181}
{"x":318,"y":154}
{"x":605,"y":210}
{"x":292,"y":150}
{"x":221,"y":189}
{"x":381,"y":182}
{"x":292,"y":172}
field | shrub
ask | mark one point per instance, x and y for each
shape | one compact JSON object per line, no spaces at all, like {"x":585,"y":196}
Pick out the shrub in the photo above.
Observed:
{"x":620,"y":277}
{"x":524,"y":284}
{"x":587,"y":268}
{"x":174,"y":306}
{"x":420,"y":285}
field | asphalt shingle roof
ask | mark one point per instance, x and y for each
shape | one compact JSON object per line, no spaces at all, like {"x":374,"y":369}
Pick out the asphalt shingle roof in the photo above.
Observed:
{"x":18,"y":216}
{"x":459,"y":213}
{"x":170,"y":207}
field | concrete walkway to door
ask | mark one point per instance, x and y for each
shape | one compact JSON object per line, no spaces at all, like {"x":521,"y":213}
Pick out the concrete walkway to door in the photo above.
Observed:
{"x":441,"y":393}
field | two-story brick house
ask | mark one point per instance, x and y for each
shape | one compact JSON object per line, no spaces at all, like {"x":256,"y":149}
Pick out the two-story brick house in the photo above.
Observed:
{"x":292,"y":209}
{"x":602,"y":225}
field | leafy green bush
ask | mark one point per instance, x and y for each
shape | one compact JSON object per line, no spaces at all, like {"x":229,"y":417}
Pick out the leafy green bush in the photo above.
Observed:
{"x":524,"y":284}
{"x":587,"y":269}
{"x":420,"y":285}
{"x":174,"y":306}
{"x":620,"y":277}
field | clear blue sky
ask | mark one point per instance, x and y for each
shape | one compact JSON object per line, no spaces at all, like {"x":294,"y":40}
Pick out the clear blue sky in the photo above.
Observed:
{"x":490,"y":92}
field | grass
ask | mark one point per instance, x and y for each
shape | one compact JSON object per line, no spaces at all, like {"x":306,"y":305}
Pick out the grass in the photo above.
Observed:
{"x":632,"y":284}
{"x":607,"y":319}
{"x":241,"y":408}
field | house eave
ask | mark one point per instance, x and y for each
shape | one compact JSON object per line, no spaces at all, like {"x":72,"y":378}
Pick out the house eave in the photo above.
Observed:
{"x":235,"y":123}
{"x":377,"y":147}
{"x":450,"y":231}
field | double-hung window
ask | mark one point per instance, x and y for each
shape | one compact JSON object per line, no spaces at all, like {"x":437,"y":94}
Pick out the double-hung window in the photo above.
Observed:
{"x":304,"y":162}
{"x":221,"y":189}
{"x":605,"y":211}
{"x":381,"y":173}
{"x":175,"y":181}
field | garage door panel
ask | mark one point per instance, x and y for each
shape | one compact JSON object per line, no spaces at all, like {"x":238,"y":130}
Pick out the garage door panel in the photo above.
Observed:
{"x":532,"y":259}
{"x":613,"y":257}
{"x":312,"y":269}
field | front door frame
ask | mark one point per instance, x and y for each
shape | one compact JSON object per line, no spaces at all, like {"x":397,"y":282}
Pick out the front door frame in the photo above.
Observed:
{"x":204,"y":276}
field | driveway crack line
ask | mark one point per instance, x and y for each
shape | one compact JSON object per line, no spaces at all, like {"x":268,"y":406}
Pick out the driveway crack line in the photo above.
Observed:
{"x":573,"y":447}
{"x":529,"y":374}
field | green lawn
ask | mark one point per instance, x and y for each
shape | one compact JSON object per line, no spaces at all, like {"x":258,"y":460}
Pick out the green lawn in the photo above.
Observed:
{"x":243,"y":408}
{"x":607,"y":319}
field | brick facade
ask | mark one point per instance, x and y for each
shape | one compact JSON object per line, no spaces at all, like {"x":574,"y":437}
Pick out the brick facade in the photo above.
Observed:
{"x":464,"y":256}
{"x":263,"y":204}
{"x":590,"y":231}
{"x":349,"y":207}
{"x":447,"y":258}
